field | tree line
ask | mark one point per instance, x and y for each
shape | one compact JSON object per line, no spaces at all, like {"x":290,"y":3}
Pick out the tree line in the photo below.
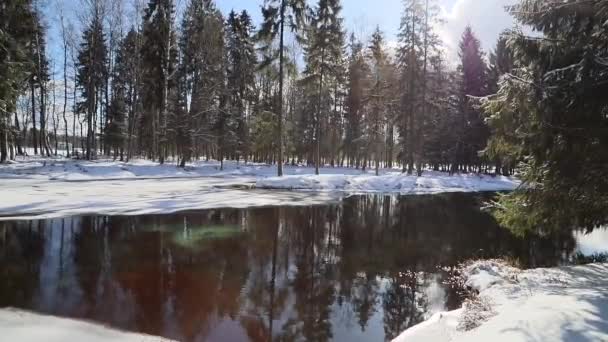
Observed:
{"x":205,"y":85}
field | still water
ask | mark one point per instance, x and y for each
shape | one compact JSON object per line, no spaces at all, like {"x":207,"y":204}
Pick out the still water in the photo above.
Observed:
{"x":364,"y":269}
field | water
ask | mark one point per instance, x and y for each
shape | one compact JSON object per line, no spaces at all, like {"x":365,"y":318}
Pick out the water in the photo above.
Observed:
{"x":362,"y":270}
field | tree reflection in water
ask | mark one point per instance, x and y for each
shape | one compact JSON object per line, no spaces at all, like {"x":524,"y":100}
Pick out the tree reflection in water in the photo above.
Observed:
{"x":360,"y":270}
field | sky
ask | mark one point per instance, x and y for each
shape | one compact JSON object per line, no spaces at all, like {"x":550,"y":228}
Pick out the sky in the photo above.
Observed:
{"x":487,"y":18}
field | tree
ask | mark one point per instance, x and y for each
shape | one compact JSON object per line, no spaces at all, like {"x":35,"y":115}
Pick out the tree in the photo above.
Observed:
{"x":377,"y":97}
{"x":358,"y":77}
{"x":324,"y":55}
{"x":92,"y":69}
{"x":116,"y":125}
{"x":553,"y":98}
{"x":157,"y":66}
{"x":473,"y":133}
{"x":203,"y":65}
{"x":39,"y":77}
{"x":242,"y":63}
{"x":277,"y":14}
{"x":65,"y":43}
{"x":501,"y":147}
{"x":419,"y":43}
{"x":126,"y":77}
{"x":17,"y":29}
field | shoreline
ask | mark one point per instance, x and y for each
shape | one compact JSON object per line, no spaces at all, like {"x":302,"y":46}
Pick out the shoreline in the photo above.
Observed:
{"x":545,"y":304}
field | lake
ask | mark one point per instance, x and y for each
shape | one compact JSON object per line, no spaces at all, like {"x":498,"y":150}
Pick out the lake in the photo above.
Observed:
{"x":364,"y":269}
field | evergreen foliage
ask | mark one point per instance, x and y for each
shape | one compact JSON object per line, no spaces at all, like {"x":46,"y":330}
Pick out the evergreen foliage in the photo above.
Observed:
{"x":91,"y":76}
{"x":550,"y":113}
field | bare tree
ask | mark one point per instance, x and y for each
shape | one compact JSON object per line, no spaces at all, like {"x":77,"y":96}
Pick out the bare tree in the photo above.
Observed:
{"x":64,"y":38}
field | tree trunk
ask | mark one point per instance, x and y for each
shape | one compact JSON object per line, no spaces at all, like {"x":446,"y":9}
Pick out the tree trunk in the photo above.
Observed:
{"x":318,"y":121}
{"x":34,"y":133}
{"x":420,"y":136}
{"x":412,"y":120}
{"x":3,"y":135}
{"x":281,"y":76}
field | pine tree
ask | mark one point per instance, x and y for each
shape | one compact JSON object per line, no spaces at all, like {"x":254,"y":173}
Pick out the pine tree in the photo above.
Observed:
{"x":554,"y":101}
{"x":278,"y":14}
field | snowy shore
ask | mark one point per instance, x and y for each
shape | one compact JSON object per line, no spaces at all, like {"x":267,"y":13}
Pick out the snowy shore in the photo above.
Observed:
{"x":567,"y":304}
{"x":23,"y":326}
{"x":43,"y":188}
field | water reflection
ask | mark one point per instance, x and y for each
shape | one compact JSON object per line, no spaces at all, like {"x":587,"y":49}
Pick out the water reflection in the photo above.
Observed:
{"x":362,"y":270}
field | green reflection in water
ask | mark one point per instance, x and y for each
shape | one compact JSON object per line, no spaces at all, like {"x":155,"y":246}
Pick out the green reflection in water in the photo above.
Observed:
{"x":196,"y":237}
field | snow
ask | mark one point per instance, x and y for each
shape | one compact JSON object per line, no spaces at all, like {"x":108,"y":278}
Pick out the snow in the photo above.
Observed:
{"x":552,"y":304}
{"x":34,"y":199}
{"x":595,"y":242}
{"x":440,"y":327}
{"x":36,"y":187}
{"x":22,"y":326}
{"x":429,"y":183}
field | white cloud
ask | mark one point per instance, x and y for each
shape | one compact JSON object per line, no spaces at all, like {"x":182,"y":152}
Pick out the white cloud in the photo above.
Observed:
{"x":488,"y":19}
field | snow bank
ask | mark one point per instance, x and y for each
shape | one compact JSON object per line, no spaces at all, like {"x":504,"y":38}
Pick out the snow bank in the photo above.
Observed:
{"x":297,"y":178}
{"x":428,"y":183}
{"x":22,"y":326}
{"x":35,"y":199}
{"x":58,"y":187}
{"x":595,"y":242}
{"x":440,"y":327}
{"x":554,"y":304}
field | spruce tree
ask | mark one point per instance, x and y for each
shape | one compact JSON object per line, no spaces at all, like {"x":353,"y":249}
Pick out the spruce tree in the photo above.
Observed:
{"x":116,"y":123}
{"x":554,"y":101}
{"x":501,"y":147}
{"x":127,"y":77}
{"x":358,"y":77}
{"x":92,"y":69}
{"x":418,"y":43}
{"x":242,"y":64}
{"x":377,"y":97}
{"x":324,"y":53}
{"x":158,"y":53}
{"x":203,"y":60}
{"x":473,"y":132}
{"x":17,"y":27}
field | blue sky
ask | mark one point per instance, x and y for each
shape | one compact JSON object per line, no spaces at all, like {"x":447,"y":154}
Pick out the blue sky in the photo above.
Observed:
{"x":487,"y":17}
{"x":359,"y":14}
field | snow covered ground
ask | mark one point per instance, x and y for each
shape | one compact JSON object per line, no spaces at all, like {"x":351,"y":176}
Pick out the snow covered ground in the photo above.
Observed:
{"x":54,"y":187}
{"x":556,"y":304}
{"x":391,"y":181}
{"x":22,"y":326}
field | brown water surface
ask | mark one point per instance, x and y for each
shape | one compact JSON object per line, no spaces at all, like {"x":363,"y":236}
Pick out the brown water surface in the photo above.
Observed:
{"x":361,"y":270}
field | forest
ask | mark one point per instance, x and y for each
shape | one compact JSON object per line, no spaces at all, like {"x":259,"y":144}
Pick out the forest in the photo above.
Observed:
{"x":194,"y":83}
{"x":215,"y":86}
